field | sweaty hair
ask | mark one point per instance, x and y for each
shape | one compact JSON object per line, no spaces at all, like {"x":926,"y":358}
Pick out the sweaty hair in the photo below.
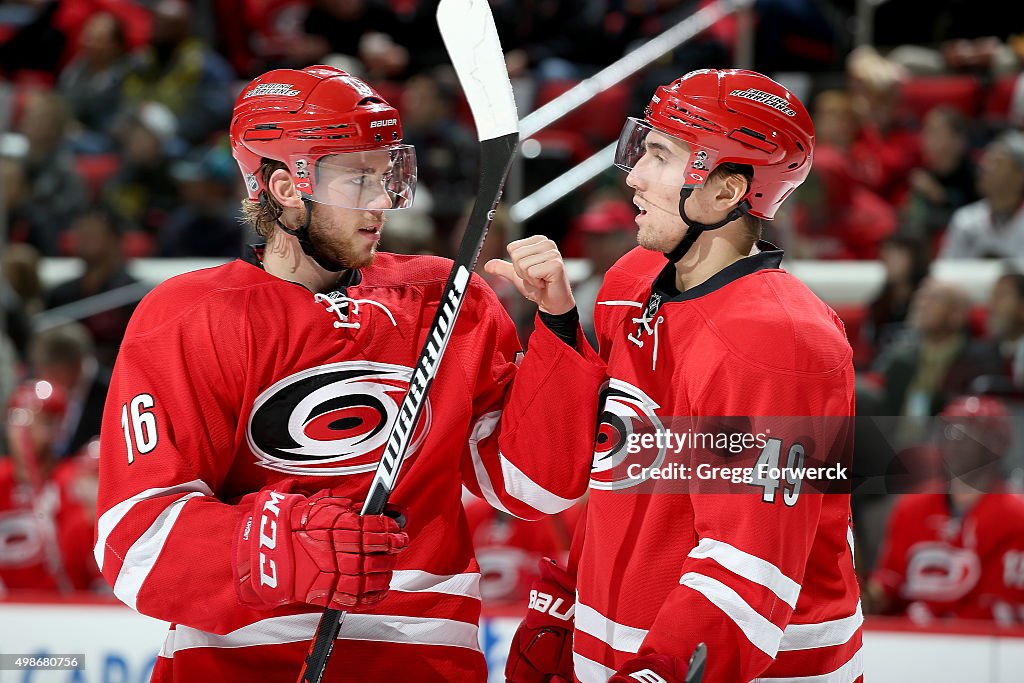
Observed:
{"x":753,"y":224}
{"x":263,"y":215}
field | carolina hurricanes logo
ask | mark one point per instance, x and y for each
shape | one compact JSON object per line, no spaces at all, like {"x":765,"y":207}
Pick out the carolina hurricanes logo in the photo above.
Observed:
{"x":627,"y":411}
{"x":940,"y":572}
{"x":21,"y":540}
{"x":332,"y":419}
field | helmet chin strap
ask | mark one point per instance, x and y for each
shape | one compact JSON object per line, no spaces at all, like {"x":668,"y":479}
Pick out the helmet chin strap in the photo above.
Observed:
{"x":308,"y":248}
{"x":695,"y":229}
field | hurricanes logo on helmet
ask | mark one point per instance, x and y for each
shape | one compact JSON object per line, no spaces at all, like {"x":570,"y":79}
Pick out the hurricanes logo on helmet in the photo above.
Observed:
{"x":627,"y":411}
{"x":284,"y":89}
{"x":766,"y":98}
{"x":331,"y":420}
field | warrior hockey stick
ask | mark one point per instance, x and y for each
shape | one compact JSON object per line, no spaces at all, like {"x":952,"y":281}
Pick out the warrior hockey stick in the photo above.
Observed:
{"x":471,"y":39}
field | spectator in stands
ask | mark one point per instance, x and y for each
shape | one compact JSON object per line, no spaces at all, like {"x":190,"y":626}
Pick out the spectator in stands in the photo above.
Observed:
{"x":887,"y":146}
{"x":91,"y":82}
{"x":97,"y":237}
{"x":1006,"y":330}
{"x":607,"y":231}
{"x":20,"y":292}
{"x":360,"y":29}
{"x":206,"y":222}
{"x":957,"y":551}
{"x":906,"y":260}
{"x":551,"y":39}
{"x":64,"y":357}
{"x":47,"y":506}
{"x":993,"y":226}
{"x":143,"y":190}
{"x":182,"y":73}
{"x":446,"y":156}
{"x":937,"y":359}
{"x":946,"y":179}
{"x":835,"y":217}
{"x":835,"y":120}
{"x":54,"y":193}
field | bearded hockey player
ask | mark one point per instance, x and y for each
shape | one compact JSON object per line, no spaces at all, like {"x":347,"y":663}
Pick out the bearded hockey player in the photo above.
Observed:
{"x":250,"y":404}
{"x":760,"y":571}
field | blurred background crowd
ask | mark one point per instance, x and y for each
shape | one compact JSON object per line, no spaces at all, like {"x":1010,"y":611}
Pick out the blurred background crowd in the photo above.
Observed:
{"x":114,"y":117}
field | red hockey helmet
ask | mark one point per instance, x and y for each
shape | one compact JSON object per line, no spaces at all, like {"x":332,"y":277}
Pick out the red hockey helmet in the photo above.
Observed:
{"x":341,"y":141}
{"x":729,"y":116}
{"x":35,"y":397}
{"x":982,"y":418}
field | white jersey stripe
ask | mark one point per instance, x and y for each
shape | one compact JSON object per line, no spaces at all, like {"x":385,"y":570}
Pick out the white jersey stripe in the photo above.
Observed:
{"x":140,"y":558}
{"x":483,"y":428}
{"x":521,"y":487}
{"x":763,"y":634}
{"x":589,"y":671}
{"x":415,"y":581}
{"x":619,"y":636}
{"x":112,"y":517}
{"x":847,"y":673}
{"x":515,"y":482}
{"x":298,"y":627}
{"x":749,"y":567}
{"x":823,"y":634}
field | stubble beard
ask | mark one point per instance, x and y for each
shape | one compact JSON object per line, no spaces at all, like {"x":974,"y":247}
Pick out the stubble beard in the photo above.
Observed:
{"x":332,"y":243}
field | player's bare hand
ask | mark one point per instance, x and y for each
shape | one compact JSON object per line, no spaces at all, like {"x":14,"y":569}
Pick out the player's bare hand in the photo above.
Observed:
{"x":538,"y":272}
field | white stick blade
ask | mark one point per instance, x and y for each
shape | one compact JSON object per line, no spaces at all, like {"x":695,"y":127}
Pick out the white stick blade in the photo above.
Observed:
{"x":471,"y":39}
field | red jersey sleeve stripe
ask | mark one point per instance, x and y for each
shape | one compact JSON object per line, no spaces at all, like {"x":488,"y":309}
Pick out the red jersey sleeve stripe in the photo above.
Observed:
{"x":140,"y":558}
{"x":109,"y":520}
{"x":763,"y":634}
{"x":299,"y":627}
{"x":823,"y":634}
{"x":619,"y":636}
{"x":749,"y":567}
{"x":847,"y":673}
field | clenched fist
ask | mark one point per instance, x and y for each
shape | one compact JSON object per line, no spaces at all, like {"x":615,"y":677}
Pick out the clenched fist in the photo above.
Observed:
{"x":538,"y":272}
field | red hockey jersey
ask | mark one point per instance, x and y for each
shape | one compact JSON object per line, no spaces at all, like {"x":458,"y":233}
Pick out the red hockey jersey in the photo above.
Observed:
{"x":230,"y":379}
{"x":44,"y":535}
{"x":934,"y":564}
{"x":760,"y":571}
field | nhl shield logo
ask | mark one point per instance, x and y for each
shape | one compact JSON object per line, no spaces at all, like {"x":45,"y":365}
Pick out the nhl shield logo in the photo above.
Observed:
{"x":332,"y":419}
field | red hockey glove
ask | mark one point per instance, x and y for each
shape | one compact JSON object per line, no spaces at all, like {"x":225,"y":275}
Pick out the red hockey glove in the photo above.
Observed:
{"x":316,"y":550}
{"x":542,"y":646}
{"x":662,"y":669}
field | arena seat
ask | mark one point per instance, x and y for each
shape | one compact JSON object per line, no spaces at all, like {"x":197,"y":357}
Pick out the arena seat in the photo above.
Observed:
{"x":963,"y":93}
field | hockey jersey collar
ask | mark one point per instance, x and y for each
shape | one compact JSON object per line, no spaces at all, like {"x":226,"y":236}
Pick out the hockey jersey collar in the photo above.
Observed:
{"x":253,"y":255}
{"x":769,"y":257}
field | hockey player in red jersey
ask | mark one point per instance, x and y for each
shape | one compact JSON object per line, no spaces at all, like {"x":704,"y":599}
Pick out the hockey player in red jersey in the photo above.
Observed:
{"x":720,"y":330}
{"x":47,"y":506}
{"x":250,"y":404}
{"x":958,"y":552}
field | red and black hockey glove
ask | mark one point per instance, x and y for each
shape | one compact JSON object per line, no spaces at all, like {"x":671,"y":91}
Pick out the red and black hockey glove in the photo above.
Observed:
{"x":542,"y":646}
{"x":662,"y":669}
{"x":317,"y":550}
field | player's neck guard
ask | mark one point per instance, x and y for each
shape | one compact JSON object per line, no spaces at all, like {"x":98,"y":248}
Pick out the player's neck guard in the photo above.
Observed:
{"x":695,"y":229}
{"x":302,"y":235}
